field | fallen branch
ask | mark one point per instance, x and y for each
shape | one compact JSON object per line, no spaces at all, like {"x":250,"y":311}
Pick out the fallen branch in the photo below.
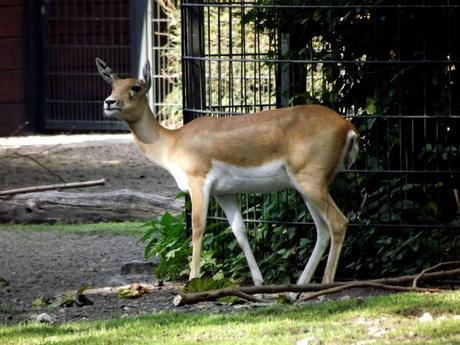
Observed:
{"x":40,"y":164}
{"x":52,"y":186}
{"x":321,"y":289}
{"x":429,"y":269}
{"x":365,"y":284}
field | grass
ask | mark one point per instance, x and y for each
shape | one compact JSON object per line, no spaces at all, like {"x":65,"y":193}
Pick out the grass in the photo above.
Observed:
{"x":392,"y":319}
{"x":134,"y":229}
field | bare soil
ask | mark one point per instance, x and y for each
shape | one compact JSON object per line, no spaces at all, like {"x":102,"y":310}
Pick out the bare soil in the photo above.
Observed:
{"x":50,"y":263}
{"x":37,"y":160}
{"x":41,"y":263}
{"x":38,"y":263}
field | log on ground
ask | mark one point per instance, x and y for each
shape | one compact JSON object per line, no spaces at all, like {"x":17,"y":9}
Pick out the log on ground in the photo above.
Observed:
{"x":54,"y":206}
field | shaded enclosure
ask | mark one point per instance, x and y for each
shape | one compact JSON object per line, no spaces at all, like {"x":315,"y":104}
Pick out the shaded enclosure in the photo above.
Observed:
{"x":74,"y":33}
{"x":392,"y":69}
{"x":67,"y":89}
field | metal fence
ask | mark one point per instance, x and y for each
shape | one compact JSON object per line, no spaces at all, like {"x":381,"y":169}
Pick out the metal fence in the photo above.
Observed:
{"x":122,"y":32}
{"x":390,"y":67}
{"x":164,"y":31}
{"x":75,"y":33}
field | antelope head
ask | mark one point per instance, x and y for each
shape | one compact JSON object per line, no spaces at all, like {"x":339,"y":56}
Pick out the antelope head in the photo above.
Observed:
{"x":128,"y":99}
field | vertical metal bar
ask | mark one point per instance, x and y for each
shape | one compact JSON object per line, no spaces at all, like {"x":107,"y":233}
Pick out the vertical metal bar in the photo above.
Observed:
{"x":81,"y":78}
{"x":137,"y":27}
{"x":34,"y":43}
{"x":219,"y":55}
{"x":244,"y":94}
{"x":195,"y":78}
{"x":230,"y":64}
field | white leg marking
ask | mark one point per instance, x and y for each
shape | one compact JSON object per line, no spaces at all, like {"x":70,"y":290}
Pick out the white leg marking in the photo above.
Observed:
{"x":233,"y":213}
{"x":322,"y":241}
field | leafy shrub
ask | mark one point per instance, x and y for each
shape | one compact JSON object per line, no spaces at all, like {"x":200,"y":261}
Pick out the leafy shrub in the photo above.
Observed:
{"x":166,"y":237}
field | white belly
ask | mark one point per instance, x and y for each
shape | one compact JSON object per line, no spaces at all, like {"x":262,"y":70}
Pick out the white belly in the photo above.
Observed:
{"x":229,"y":179}
{"x":180,"y":176}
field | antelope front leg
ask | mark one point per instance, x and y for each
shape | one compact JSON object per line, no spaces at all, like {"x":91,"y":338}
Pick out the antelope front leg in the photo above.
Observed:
{"x":200,"y":199}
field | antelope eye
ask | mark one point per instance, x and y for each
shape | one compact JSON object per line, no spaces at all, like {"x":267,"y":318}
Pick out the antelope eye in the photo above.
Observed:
{"x":136,"y":88}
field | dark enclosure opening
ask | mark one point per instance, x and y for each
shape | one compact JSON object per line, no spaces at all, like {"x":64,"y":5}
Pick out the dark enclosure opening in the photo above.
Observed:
{"x":74,"y":33}
{"x":392,"y":69}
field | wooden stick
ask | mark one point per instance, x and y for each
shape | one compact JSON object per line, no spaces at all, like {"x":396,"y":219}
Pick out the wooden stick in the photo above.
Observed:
{"x":41,"y":165}
{"x":457,"y":199}
{"x":353,"y":285}
{"x":191,"y":298}
{"x":52,"y":186}
{"x":425,"y":271}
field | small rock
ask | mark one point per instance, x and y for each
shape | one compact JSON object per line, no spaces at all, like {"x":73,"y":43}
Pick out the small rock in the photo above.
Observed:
{"x":139,"y":267}
{"x":345,"y":298}
{"x":309,"y":341}
{"x":426,"y":317}
{"x":44,"y":318}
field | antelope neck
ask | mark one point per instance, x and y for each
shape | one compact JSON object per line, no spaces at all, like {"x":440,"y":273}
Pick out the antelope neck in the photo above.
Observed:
{"x":150,"y":136}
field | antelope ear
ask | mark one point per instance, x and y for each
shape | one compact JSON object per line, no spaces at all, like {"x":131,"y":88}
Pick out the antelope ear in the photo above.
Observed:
{"x":105,"y":71}
{"x":146,"y":74}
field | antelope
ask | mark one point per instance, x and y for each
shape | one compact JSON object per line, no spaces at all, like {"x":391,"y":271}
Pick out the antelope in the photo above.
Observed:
{"x":302,"y":147}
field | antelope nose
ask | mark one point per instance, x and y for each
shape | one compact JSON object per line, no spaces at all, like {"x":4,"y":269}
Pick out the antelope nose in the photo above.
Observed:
{"x":109,"y":102}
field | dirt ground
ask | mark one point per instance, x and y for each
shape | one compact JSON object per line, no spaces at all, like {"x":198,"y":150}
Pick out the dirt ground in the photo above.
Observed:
{"x":49,"y":262}
{"x":36,"y":160}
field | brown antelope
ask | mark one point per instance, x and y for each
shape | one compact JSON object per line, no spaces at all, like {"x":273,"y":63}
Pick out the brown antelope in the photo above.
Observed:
{"x":301,"y":147}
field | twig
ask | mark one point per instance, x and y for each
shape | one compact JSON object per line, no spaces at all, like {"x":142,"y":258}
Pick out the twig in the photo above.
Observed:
{"x":353,"y":285}
{"x":16,"y":131}
{"x":36,"y":161}
{"x":52,"y":186}
{"x":421,"y":274}
{"x":384,"y":283}
{"x":15,"y":154}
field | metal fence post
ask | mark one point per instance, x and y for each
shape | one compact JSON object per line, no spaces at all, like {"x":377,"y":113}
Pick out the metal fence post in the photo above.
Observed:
{"x":193,"y":67}
{"x":33,"y":67}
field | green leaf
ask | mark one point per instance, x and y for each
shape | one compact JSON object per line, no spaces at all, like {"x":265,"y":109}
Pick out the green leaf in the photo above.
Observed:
{"x":201,"y":284}
{"x":283,"y":299}
{"x":41,"y":301}
{"x":82,"y":288}
{"x":206,"y":284}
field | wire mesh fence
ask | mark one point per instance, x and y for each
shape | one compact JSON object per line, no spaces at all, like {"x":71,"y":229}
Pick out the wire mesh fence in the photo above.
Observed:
{"x":390,"y":67}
